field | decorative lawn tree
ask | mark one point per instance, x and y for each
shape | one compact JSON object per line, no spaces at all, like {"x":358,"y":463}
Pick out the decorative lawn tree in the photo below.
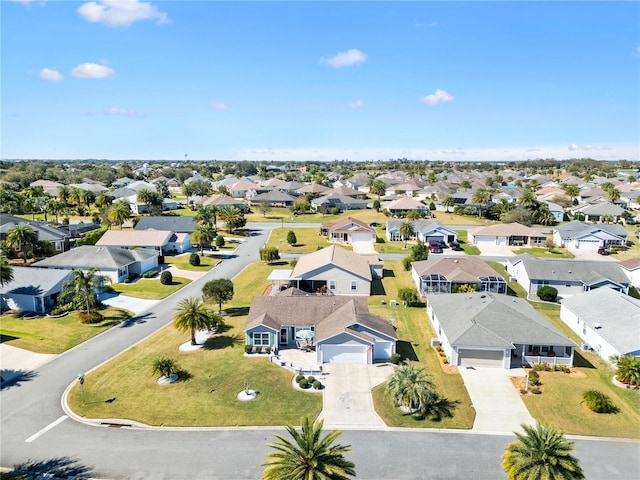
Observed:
{"x":291,"y":237}
{"x":219,"y":291}
{"x":191,"y":315}
{"x":165,"y":367}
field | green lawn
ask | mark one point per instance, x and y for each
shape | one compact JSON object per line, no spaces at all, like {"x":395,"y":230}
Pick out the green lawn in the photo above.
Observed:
{"x":414,"y":343}
{"x":542,"y":252}
{"x":150,"y":288}
{"x":308,"y":240}
{"x":206,"y":396}
{"x":560,"y":402}
{"x":466,"y":247}
{"x":54,"y":335}
{"x":207,"y":262}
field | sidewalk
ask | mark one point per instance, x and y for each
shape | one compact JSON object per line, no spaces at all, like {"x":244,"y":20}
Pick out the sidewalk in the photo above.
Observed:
{"x":16,"y":361}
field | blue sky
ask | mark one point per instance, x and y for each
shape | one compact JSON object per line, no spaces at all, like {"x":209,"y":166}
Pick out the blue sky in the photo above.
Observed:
{"x":128,"y":79}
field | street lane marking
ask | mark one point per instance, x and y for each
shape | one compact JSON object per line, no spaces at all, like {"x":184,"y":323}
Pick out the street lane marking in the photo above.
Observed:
{"x":46,"y":429}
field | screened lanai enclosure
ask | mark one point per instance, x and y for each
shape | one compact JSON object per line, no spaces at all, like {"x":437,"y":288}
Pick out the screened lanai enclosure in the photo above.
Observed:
{"x":434,"y":284}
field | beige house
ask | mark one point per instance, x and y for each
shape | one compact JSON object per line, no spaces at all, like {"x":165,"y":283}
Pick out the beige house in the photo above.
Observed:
{"x":162,"y":241}
{"x":348,"y":230}
{"x":506,"y":234}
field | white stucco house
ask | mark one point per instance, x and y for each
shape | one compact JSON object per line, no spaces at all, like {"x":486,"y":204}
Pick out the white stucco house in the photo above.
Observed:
{"x":631,"y":268}
{"x":506,"y":234}
{"x":424,"y":231}
{"x":607,"y":321}
{"x":583,"y":236}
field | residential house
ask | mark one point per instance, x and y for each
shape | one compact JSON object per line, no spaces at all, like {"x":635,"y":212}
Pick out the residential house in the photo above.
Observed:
{"x":506,"y":234}
{"x":346,"y":191}
{"x":556,"y":210}
{"x":599,"y":211}
{"x":447,"y":275}
{"x":174,"y":223}
{"x":117,"y":264}
{"x":222,"y":201}
{"x":348,"y":230}
{"x":423,"y":230}
{"x":607,"y":321}
{"x":162,"y":241}
{"x":569,"y":277}
{"x":32,"y":289}
{"x":274,"y":198}
{"x":314,"y":189}
{"x":95,"y":187}
{"x":403,"y":205}
{"x":341,"y":328}
{"x":50,"y":187}
{"x":488,"y":330}
{"x":341,"y":202}
{"x":242,"y":189}
{"x":335,"y":271}
{"x":58,"y":238}
{"x":631,"y":268}
{"x":583,"y":236}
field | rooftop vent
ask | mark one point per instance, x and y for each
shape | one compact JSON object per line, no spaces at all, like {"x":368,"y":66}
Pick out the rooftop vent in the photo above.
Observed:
{"x":597,"y":326}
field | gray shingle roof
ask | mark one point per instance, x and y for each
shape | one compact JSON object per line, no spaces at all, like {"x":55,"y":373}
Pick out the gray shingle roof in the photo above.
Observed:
{"x":577,"y":228}
{"x":174,"y":223}
{"x":618,"y":315}
{"x":569,"y":270}
{"x":458,"y":269}
{"x":484,"y":319}
{"x":35,"y":281}
{"x":333,"y":255}
{"x":91,"y":256}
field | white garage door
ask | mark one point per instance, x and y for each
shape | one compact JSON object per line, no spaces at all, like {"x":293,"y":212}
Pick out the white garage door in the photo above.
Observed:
{"x":485,"y":240}
{"x":480,"y":358}
{"x":362,"y":243}
{"x":588,"y":244}
{"x":344,"y":354}
{"x":382,"y":350}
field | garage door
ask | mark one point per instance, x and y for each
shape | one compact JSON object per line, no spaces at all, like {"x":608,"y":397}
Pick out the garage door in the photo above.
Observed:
{"x":485,"y":241}
{"x":588,"y":244}
{"x":481,"y":358}
{"x":344,"y":354}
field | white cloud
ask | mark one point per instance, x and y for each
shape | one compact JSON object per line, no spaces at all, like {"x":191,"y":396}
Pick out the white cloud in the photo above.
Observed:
{"x":345,"y":59}
{"x":218,"y":105}
{"x":122,"y":111}
{"x":573,"y":146}
{"x":437,"y":97}
{"x":356,"y":104}
{"x":91,"y":70}
{"x":49,"y":75}
{"x":121,"y":13}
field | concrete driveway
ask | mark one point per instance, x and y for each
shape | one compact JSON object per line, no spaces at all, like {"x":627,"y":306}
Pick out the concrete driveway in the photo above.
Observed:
{"x":364,"y":248}
{"x":347,"y":401}
{"x":135,"y":305}
{"x":496,"y":401}
{"x":496,"y":250}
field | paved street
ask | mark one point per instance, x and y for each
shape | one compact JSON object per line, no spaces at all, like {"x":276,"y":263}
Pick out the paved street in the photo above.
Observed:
{"x":35,"y":429}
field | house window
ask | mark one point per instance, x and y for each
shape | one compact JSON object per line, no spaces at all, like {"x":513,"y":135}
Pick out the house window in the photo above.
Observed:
{"x":58,"y":246}
{"x":354,"y":285}
{"x":332,"y":284}
{"x":261,"y":339}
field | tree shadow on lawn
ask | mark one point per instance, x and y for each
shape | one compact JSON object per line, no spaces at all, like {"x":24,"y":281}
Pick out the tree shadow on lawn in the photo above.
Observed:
{"x":14,"y":378}
{"x":183,"y":375}
{"x":219,"y":342}
{"x":7,"y":338}
{"x":61,"y":467}
{"x":130,"y":322}
{"x":237,"y":311}
{"x":406,"y":351}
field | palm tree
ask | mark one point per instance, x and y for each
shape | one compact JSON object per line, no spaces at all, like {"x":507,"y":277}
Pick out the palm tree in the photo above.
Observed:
{"x":410,"y":387}
{"x":571,"y":190}
{"x":406,"y":230}
{"x":448,"y":202}
{"x":6,"y":272}
{"x":309,"y":456}
{"x":465,"y":184}
{"x":88,"y":197}
{"x":377,"y":187}
{"x":56,"y":207}
{"x":165,"y":366}
{"x":613,"y":194}
{"x":192,"y":314}
{"x":63,"y":193}
{"x":149,"y":197}
{"x":231,"y":216}
{"x":481,"y":196}
{"x":541,"y":453}
{"x":81,"y":288}
{"x":628,"y":369}
{"x":208,"y":215}
{"x":203,"y":235}
{"x":119,"y":212}
{"x":22,"y":237}
{"x":527,"y":198}
{"x":103,"y":200}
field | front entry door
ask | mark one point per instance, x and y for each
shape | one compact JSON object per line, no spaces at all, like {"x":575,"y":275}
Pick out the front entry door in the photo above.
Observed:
{"x":283,"y":336}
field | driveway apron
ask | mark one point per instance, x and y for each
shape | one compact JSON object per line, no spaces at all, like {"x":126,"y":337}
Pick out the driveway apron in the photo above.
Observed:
{"x":496,"y":401}
{"x":347,"y":401}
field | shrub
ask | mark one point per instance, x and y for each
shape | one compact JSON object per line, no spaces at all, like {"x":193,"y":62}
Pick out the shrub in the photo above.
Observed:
{"x":219,"y":241}
{"x":291,"y":237}
{"x":439,"y":348}
{"x":598,"y":402}
{"x":303,"y":383}
{"x":267,"y":350}
{"x":566,"y":369}
{"x":534,"y":378}
{"x":311,"y":379}
{"x":67,"y":307}
{"x":523,"y":391}
{"x":395,"y":358}
{"x":445,"y":361}
{"x":150,"y":274}
{"x":194,"y":259}
{"x":317,"y":385}
{"x":298,"y":378}
{"x":248,"y":348}
{"x":258,"y":349}
{"x":540,"y":367}
{"x":547,"y":293}
{"x":166,"y":278}
{"x":536,"y":391}
{"x":406,"y":263}
{"x":90,"y":318}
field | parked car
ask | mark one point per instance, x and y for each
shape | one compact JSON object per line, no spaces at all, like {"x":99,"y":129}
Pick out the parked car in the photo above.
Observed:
{"x":455,"y":246}
{"x":443,"y":244}
{"x":602,"y":251}
{"x":434,"y":246}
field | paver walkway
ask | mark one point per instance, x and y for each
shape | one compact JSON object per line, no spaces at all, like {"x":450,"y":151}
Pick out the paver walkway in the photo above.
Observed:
{"x":347,"y":401}
{"x":498,"y":405}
